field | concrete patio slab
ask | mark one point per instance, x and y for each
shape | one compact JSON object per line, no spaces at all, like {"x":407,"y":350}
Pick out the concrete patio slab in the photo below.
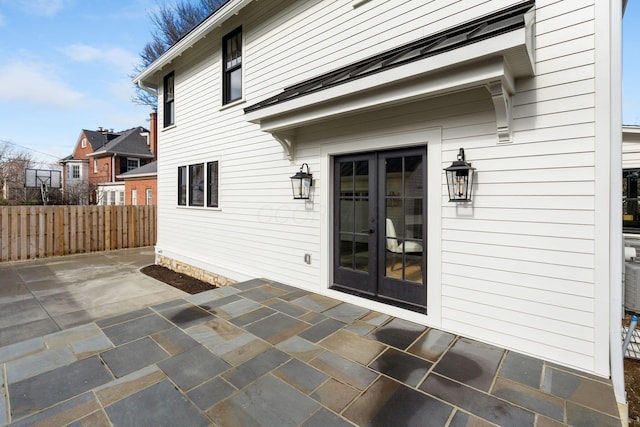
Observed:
{"x":260,"y":353}
{"x":42,"y":296}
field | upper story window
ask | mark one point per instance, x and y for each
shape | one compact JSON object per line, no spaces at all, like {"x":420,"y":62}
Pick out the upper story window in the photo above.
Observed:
{"x":95,"y":165}
{"x":75,"y":171}
{"x":132,"y":163}
{"x":84,"y":143}
{"x":232,"y":66}
{"x":169,"y":98}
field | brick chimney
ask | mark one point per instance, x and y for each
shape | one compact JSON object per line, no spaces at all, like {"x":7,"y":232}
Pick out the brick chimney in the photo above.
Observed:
{"x":153,"y":133}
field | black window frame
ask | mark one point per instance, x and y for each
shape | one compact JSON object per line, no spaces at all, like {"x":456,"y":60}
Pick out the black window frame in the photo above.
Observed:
{"x":169,"y":97}
{"x":231,"y":65}
{"x":196,"y":185}
{"x":182,"y":185}
{"x":190,"y":182}
{"x":213,"y":174}
{"x":631,"y":200}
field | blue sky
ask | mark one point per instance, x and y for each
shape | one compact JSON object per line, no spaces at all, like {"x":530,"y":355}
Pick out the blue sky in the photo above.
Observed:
{"x":65,"y":66}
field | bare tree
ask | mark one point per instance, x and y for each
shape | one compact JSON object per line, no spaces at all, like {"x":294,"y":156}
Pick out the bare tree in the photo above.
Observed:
{"x":170,"y":23}
{"x":13,"y":162}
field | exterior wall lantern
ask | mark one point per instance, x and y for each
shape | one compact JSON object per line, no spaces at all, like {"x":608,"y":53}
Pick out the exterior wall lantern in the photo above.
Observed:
{"x":460,"y":179}
{"x":301,"y":183}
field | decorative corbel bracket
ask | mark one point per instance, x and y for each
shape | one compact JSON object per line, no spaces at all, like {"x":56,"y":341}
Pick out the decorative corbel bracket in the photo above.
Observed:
{"x":503,"y":106}
{"x":287,"y":141}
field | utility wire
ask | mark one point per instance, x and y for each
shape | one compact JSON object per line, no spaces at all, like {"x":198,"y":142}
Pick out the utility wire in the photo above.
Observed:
{"x":27,"y":148}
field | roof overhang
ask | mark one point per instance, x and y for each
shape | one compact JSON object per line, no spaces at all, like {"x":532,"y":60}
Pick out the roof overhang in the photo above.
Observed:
{"x":630,"y":133}
{"x":147,"y":78}
{"x":494,"y":63}
{"x":127,"y":177}
{"x":121,"y":154}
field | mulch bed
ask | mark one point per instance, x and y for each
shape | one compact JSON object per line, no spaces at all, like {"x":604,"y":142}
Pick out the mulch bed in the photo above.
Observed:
{"x":181,"y":281}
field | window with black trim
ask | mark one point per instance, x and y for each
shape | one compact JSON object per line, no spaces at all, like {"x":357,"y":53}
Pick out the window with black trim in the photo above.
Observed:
{"x":232,"y":66}
{"x":132,"y":163}
{"x":630,"y":200}
{"x":182,"y":186}
{"x":169,"y":98}
{"x":198,"y":183}
{"x":212,"y":184}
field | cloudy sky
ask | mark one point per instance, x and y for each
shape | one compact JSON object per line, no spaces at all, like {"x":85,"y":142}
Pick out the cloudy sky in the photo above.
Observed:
{"x":65,"y":66}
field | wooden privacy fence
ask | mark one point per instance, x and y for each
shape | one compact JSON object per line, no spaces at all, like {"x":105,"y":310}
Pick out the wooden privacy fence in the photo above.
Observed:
{"x":28,"y":232}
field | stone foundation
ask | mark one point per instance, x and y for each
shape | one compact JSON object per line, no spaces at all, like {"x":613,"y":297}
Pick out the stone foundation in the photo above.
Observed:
{"x":189,"y":270}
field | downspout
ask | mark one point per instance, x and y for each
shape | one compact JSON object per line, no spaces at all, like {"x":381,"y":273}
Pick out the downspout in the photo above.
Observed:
{"x":616,"y":241}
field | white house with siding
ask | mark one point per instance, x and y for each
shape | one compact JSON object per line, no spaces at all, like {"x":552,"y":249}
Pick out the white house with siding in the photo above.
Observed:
{"x":377,"y":98}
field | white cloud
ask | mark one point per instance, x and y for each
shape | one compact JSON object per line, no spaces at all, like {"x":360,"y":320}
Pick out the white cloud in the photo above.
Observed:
{"x":36,"y":84}
{"x":48,"y":8}
{"x":122,"y":90}
{"x":114,"y":56}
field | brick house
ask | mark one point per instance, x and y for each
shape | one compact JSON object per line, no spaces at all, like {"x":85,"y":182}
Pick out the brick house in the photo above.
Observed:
{"x":140,"y":184}
{"x":76,"y":180}
{"x":90,"y":173}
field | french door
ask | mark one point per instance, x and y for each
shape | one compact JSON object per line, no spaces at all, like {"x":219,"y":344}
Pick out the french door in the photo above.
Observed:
{"x":380,"y":226}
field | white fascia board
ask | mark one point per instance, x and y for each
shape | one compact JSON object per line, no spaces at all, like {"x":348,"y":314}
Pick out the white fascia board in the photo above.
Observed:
{"x":630,"y":129}
{"x":137,"y":175}
{"x":233,"y":7}
{"x":111,"y":185}
{"x":121,"y":154}
{"x":458,"y":69}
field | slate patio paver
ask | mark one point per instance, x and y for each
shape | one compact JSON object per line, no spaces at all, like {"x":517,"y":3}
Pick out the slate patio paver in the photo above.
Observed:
{"x":267,"y":402}
{"x":192,"y":368}
{"x":132,"y":356}
{"x":42,"y":391}
{"x":300,"y":375}
{"x":160,"y":404}
{"x":388,"y":403}
{"x":210,"y":393}
{"x":136,"y":328}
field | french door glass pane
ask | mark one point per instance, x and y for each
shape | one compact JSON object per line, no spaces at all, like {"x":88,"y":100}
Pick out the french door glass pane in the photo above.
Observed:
{"x":404,"y":217}
{"x":361,"y":254}
{"x":346,"y":250}
{"x":354,"y":215}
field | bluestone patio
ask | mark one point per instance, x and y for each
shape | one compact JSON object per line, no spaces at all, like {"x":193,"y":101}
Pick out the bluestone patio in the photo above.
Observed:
{"x":258,"y":353}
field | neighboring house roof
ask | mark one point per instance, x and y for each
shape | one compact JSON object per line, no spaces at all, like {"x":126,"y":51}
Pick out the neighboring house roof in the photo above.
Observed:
{"x":147,"y":171}
{"x":130,"y":143}
{"x":97,"y":138}
{"x":480,"y":29}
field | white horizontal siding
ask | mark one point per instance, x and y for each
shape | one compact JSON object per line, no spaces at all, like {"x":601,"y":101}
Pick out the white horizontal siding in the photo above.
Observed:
{"x":517,"y":264}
